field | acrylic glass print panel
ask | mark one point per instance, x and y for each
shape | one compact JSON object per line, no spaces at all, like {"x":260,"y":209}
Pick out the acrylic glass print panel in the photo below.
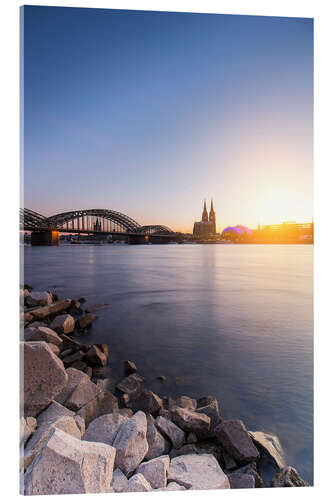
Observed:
{"x":167,"y":240}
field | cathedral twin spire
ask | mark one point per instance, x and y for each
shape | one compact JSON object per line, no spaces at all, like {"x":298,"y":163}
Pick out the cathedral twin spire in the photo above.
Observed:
{"x":211,"y":213}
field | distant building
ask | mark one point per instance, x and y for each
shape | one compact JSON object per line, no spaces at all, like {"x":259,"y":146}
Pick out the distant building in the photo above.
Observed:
{"x":207,"y":226}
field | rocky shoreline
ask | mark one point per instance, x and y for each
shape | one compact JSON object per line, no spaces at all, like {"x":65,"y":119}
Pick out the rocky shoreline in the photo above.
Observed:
{"x":79,"y":436}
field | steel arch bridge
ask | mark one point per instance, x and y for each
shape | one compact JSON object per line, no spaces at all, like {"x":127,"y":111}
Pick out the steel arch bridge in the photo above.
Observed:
{"x":95,"y":220}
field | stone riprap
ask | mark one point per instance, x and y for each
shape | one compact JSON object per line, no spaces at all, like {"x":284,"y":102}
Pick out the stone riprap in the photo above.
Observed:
{"x":77,"y":436}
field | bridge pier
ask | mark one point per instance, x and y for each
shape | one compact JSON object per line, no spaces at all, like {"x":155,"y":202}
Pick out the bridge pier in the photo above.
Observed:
{"x":138,"y":239}
{"x":45,"y":238}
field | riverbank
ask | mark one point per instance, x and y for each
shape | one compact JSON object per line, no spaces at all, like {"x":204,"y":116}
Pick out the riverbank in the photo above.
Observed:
{"x":130,"y":439}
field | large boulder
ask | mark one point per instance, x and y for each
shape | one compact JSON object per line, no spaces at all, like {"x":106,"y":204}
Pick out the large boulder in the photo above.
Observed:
{"x":55,"y":415}
{"x":42,"y":433}
{"x":28,"y":427}
{"x":52,"y":412}
{"x":191,"y":421}
{"x":186,"y":402}
{"x":270,"y":447}
{"x":66,"y":465}
{"x":39,"y":299}
{"x":171,"y":431}
{"x":288,"y":477}
{"x":198,"y":472}
{"x":86,"y":320}
{"x":46,"y":334}
{"x":149,"y":402}
{"x":71,"y":343}
{"x":131,"y":443}
{"x":211,"y":410}
{"x":238,"y":481}
{"x":74,"y":378}
{"x":131,"y":385}
{"x":235,"y":439}
{"x":138,"y":483}
{"x":44,"y":377}
{"x":119,"y":481}
{"x":250,"y":469}
{"x":95,"y":356}
{"x":56,"y":308}
{"x":155,"y":471}
{"x":157,"y":444}
{"x":64,"y":323}
{"x":104,"y":402}
{"x":84,"y":392}
{"x":104,"y":428}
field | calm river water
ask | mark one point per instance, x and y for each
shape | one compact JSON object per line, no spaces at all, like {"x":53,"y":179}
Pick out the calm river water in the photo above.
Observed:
{"x":234,"y":321}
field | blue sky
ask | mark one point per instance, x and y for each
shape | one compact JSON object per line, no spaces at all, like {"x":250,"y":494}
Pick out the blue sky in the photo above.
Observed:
{"x":148,"y":113}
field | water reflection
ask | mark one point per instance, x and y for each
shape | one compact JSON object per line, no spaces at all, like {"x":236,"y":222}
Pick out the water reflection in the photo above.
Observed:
{"x":232,"y":321}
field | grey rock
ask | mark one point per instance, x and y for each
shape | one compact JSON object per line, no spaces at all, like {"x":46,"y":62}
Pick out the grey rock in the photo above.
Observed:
{"x":212,"y":411}
{"x":86,"y":320}
{"x":74,"y":378}
{"x":29,"y":330}
{"x":104,"y":402}
{"x":288,"y":477}
{"x":38,"y":299}
{"x":63,"y":324}
{"x":235,"y":439}
{"x":53,"y":412}
{"x":70,"y":343}
{"x":44,"y":377}
{"x":42,"y":433}
{"x":84,"y":392}
{"x":95,"y":356}
{"x":155,"y":471}
{"x":191,"y":421}
{"x":55,"y":349}
{"x":238,"y":481}
{"x":57,"y":307}
{"x":270,"y":446}
{"x":157,"y":444}
{"x":187,"y":449}
{"x":67,"y":465}
{"x":149,"y":402}
{"x":205,"y":400}
{"x":131,"y":385}
{"x":192,"y":438}
{"x":186,"y":402}
{"x":170,"y":430}
{"x":138,"y":483}
{"x":28,"y":427}
{"x":251,"y":469}
{"x":229,"y":462}
{"x":72,"y":358}
{"x":80,"y":423}
{"x":198,"y":472}
{"x":131,"y":443}
{"x":46,"y":334}
{"x":119,"y":481}
{"x":104,"y":428}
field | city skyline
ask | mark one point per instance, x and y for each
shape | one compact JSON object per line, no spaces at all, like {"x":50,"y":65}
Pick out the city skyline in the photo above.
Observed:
{"x":148,"y":113}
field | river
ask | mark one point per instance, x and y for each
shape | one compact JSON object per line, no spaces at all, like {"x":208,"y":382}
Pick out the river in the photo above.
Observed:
{"x":233,"y":321}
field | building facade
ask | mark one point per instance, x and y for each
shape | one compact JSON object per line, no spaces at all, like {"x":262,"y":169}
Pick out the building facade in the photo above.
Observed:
{"x":207,"y":226}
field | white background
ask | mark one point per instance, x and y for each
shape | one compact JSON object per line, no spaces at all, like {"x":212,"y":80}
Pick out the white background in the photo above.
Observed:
{"x":323,"y":214}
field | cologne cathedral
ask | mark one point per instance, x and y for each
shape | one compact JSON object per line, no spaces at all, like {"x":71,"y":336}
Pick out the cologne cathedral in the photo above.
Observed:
{"x":207,"y":226}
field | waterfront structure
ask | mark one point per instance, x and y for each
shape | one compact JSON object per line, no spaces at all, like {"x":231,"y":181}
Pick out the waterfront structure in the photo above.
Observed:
{"x":207,"y":226}
{"x":45,"y":230}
